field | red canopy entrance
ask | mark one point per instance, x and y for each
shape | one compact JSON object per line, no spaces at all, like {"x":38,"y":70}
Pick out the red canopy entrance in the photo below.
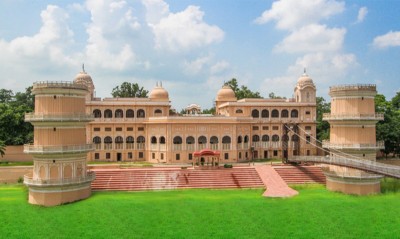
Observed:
{"x":208,"y":154}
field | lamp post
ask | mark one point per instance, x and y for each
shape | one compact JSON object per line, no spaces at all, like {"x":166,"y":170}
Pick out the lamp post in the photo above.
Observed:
{"x":252,"y":154}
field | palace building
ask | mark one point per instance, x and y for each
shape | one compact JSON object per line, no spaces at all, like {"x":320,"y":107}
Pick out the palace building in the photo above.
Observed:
{"x":144,"y":129}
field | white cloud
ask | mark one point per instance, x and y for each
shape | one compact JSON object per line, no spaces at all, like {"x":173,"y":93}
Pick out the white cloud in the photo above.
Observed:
{"x":155,"y":10}
{"x":197,"y":65}
{"x":219,"y":67}
{"x":390,"y":39}
{"x":313,"y":38}
{"x":362,"y":13}
{"x":182,"y":31}
{"x":109,"y":45}
{"x":291,"y":14}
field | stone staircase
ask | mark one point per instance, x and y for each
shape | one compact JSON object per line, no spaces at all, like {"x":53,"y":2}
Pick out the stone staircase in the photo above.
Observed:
{"x":301,"y":174}
{"x":167,"y":179}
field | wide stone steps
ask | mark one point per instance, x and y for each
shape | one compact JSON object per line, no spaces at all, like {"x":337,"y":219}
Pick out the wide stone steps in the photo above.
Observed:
{"x":158,"y":179}
{"x":301,"y":174}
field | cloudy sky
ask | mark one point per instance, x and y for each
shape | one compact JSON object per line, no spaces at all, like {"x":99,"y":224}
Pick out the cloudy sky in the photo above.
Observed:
{"x":194,"y":46}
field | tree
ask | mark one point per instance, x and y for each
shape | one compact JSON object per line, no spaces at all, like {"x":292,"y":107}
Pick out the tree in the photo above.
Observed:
{"x":2,"y":148}
{"x":273,"y":96}
{"x":242,"y":91}
{"x":13,"y":128}
{"x":127,"y":89}
{"x":396,"y":101}
{"x":322,"y":126}
{"x":209,"y":111}
{"x":388,"y":130}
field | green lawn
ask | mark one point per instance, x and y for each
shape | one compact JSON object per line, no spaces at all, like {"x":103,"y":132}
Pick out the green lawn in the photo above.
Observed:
{"x":314,"y":213}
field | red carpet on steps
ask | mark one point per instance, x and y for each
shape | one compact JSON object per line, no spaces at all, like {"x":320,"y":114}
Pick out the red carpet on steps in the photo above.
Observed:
{"x":166,"y":179}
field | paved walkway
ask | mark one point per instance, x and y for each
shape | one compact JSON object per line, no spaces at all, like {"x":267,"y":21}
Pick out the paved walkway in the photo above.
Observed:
{"x":275,"y":185}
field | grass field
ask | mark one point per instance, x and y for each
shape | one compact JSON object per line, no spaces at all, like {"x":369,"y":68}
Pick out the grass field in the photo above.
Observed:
{"x":314,"y":213}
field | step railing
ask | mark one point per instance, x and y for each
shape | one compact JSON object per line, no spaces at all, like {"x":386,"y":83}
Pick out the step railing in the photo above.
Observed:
{"x":366,"y":165}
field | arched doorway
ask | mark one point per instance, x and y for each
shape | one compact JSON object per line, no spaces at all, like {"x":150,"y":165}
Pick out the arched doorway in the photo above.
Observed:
{"x":207,"y":157}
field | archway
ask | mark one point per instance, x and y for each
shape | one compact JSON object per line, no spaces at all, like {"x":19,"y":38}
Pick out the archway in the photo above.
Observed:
{"x":207,"y":157}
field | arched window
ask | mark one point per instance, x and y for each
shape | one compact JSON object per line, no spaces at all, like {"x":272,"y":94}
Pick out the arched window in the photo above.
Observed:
{"x":119,"y":113}
{"x":140,"y":140}
{"x":295,"y":138}
{"x":256,"y":138}
{"x":226,"y":140}
{"x":255,"y":113}
{"x":275,"y":114}
{"x":239,"y":140}
{"x":141,"y":114}
{"x":265,"y":138}
{"x":97,"y":113}
{"x":177,"y":140}
{"x":162,"y":140}
{"x":202,"y":140}
{"x":275,"y":138}
{"x":130,"y":140}
{"x":239,"y":111}
{"x":108,"y":140}
{"x":246,"y":139}
{"x":190,"y":140}
{"x":119,"y":140}
{"x":97,"y":140}
{"x":285,"y":138}
{"x":284,"y":114}
{"x":214,"y":140}
{"x":153,"y":140}
{"x":157,"y":111}
{"x":130,"y":114}
{"x":265,"y":114}
{"x":107,"y":113}
{"x":294,"y":114}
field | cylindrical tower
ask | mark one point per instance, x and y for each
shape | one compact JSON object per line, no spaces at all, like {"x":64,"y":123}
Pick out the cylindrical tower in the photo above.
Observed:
{"x":59,"y":149}
{"x":353,"y":135}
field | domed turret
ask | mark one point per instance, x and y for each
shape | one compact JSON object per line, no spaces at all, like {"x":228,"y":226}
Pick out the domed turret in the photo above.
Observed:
{"x":305,"y":89}
{"x":226,"y":94}
{"x":85,"y":79}
{"x":159,"y":93}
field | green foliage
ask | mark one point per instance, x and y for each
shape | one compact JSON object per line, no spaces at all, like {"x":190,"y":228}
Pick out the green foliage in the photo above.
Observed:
{"x":242,"y":91}
{"x":209,"y":111}
{"x":228,"y":166}
{"x":127,"y":89}
{"x":13,"y":128}
{"x":2,"y":148}
{"x":388,"y":130}
{"x":314,"y":213}
{"x":273,"y":96}
{"x":322,"y":126}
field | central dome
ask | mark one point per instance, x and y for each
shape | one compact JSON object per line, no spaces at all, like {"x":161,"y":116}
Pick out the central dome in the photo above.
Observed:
{"x":226,"y":93}
{"x":159,"y":93}
{"x":304,"y":79}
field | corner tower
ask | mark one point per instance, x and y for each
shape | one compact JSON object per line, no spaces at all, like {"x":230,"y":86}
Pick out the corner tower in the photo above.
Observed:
{"x":353,"y":135}
{"x":305,"y":90}
{"x":59,"y":149}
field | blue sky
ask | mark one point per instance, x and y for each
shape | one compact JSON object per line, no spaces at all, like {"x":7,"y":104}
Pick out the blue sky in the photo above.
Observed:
{"x":194,"y":46}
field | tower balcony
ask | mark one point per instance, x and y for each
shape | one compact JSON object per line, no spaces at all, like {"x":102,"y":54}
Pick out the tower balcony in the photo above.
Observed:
{"x":328,"y":117}
{"x":57,"y":149}
{"x":377,"y":146}
{"x":77,"y":117}
{"x":89,"y":177}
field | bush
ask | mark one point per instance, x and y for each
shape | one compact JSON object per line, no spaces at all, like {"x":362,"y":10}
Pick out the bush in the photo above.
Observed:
{"x":228,"y":166}
{"x":20,"y":180}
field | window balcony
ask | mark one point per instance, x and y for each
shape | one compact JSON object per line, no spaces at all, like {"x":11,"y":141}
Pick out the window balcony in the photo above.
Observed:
{"x":57,"y":149}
